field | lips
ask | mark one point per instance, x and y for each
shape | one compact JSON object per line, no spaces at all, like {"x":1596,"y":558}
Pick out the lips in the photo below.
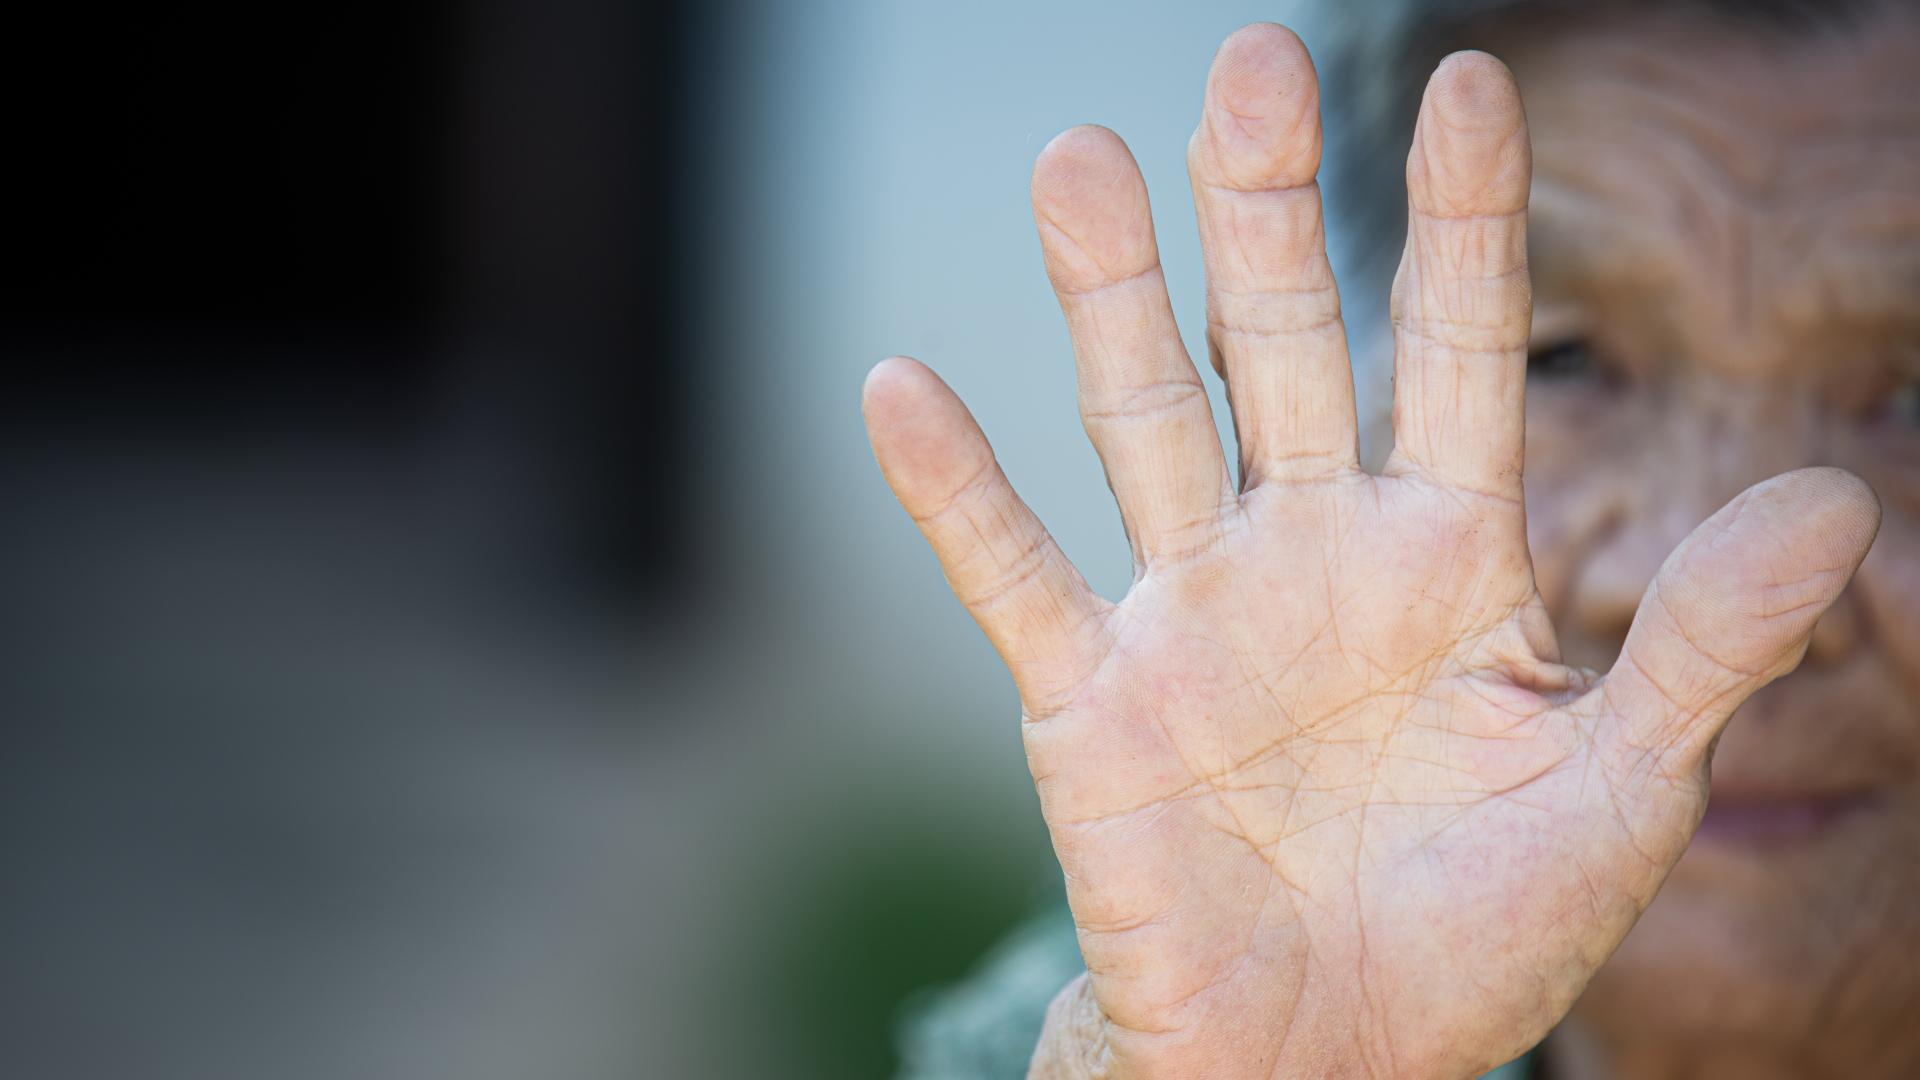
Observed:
{"x":1750,"y":821}
{"x":1821,"y":747}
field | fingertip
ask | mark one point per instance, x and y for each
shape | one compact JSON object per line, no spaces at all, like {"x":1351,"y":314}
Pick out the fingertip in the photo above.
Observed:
{"x":1083,"y":159}
{"x":1471,"y":155}
{"x":1259,"y":66}
{"x":922,"y":434}
{"x":1834,"y":505}
{"x":1768,"y":563}
{"x":1262,"y":35}
{"x":1845,"y":491}
{"x":901,"y":396}
{"x":887,"y":381}
{"x":1473,"y":88}
{"x":1262,"y":117}
{"x":1090,"y":203}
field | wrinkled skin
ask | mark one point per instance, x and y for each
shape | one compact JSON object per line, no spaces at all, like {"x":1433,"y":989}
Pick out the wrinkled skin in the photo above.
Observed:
{"x":1730,"y":225}
{"x":1326,"y":799}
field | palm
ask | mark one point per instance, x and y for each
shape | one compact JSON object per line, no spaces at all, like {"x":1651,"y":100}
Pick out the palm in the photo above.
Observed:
{"x":1304,"y":749}
{"x":1325,"y":800}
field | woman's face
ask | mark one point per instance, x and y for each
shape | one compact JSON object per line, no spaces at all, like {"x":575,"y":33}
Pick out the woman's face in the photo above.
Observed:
{"x":1726,"y":248}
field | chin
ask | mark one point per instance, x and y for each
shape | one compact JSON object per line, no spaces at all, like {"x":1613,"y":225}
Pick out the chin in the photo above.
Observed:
{"x":1787,"y":934}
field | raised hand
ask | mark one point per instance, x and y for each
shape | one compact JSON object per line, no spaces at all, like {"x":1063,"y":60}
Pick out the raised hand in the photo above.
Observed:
{"x":1326,"y":801}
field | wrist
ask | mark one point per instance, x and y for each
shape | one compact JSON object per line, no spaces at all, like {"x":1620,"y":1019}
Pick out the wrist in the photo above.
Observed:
{"x":1073,"y":1042}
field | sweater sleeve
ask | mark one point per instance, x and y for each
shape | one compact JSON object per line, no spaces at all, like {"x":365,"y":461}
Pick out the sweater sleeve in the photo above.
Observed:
{"x":985,"y":1026}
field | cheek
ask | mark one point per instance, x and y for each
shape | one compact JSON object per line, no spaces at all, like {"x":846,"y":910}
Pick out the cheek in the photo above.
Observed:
{"x":1563,"y":429}
{"x":1887,"y":586}
{"x":1579,"y":461}
{"x":1887,"y":454}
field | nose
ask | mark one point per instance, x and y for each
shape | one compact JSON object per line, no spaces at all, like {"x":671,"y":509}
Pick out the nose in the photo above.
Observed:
{"x":1609,"y":586}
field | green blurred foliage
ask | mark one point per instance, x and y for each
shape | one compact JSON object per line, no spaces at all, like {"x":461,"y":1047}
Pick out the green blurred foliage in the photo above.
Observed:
{"x":886,"y":911}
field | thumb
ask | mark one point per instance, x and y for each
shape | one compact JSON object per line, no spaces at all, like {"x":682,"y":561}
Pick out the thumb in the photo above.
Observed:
{"x":1734,"y":605}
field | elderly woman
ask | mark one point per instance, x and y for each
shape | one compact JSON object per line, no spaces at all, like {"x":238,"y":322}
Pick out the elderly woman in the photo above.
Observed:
{"x":1403,"y":770}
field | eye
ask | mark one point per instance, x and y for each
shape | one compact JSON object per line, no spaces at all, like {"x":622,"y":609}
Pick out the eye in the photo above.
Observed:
{"x":1562,"y":360}
{"x":1905,"y":405}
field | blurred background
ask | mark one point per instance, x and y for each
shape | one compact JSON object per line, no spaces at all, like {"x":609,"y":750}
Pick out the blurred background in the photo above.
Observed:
{"x":453,"y":626}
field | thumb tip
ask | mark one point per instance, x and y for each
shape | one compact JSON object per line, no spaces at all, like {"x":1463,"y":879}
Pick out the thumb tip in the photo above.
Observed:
{"x":1834,"y":505}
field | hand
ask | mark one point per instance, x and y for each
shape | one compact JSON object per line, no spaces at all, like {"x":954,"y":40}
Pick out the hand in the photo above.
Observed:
{"x":1326,"y":801}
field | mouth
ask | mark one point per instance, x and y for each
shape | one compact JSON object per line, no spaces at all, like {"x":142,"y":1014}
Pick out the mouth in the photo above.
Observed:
{"x":1745,"y":821}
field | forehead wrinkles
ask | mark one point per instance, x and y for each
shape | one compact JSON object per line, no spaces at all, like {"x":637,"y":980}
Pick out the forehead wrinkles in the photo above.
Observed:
{"x":1741,"y":193}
